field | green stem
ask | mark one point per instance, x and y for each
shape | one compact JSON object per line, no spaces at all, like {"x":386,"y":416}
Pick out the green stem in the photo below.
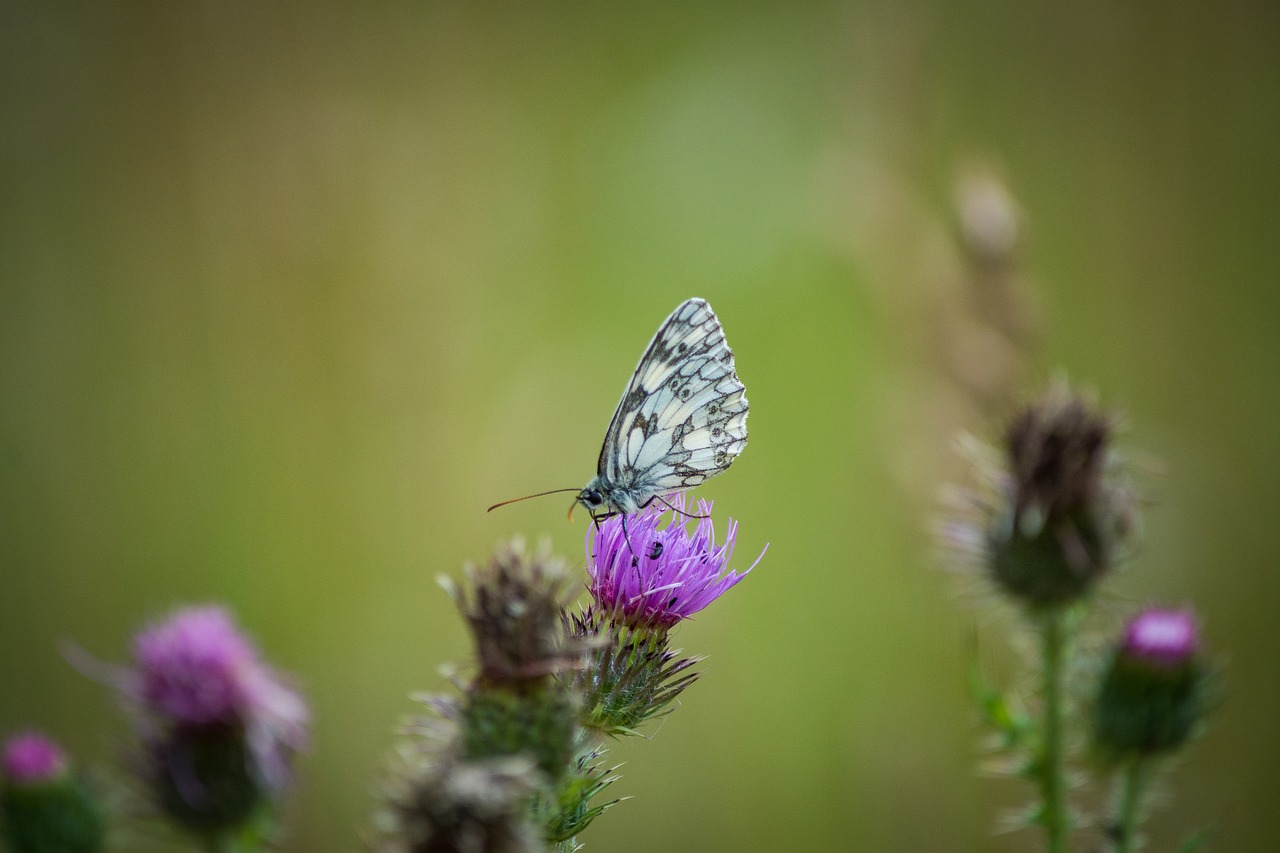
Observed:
{"x":221,"y":842}
{"x":217,"y":843}
{"x":1131,"y":789}
{"x":1053,"y":815}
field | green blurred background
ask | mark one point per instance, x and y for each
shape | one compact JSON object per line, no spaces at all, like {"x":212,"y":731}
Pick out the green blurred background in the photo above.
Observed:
{"x":288,"y":297}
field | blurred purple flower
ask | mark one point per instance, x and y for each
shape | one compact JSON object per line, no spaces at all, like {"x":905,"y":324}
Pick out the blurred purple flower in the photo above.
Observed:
{"x":1161,"y":636}
{"x":44,"y":806}
{"x":643,"y":574}
{"x":1156,"y":690}
{"x":31,"y":758}
{"x":196,"y":669}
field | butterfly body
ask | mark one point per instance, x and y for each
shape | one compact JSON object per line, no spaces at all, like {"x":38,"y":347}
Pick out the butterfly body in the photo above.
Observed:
{"x":682,"y":418}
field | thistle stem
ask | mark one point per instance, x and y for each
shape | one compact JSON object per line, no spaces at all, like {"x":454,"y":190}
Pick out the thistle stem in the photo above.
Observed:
{"x":218,"y":842}
{"x":1053,"y":815}
{"x":1132,"y":782}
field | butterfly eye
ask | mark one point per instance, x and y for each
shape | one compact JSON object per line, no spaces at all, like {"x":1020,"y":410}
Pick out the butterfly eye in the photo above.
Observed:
{"x":591,"y":497}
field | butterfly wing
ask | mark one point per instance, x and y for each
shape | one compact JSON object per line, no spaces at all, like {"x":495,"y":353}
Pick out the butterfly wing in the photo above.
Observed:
{"x":683,"y":417}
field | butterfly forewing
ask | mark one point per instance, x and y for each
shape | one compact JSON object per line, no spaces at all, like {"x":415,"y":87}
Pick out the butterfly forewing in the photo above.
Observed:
{"x":683,"y":416}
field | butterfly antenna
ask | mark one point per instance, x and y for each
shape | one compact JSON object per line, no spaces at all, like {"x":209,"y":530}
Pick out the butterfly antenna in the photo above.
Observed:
{"x":677,"y":509}
{"x":526,"y":497}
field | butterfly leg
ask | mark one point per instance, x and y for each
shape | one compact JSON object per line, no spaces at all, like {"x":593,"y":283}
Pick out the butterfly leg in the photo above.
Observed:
{"x":625,"y":535}
{"x":677,"y":509}
{"x":635,"y":561}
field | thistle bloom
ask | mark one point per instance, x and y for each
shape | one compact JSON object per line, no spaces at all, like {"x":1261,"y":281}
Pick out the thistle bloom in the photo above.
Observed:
{"x":643,"y":574}
{"x":31,"y":758}
{"x":43,"y":805}
{"x":196,"y":669}
{"x":1165,"y":638}
{"x":218,"y":727}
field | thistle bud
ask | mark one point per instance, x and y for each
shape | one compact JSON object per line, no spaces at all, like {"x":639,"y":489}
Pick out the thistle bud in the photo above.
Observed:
{"x":538,"y":723}
{"x":1153,"y":692}
{"x":512,"y":605}
{"x":457,"y":806}
{"x":1061,"y":518}
{"x":515,"y":705}
{"x":988,"y":216}
{"x":43,"y":805}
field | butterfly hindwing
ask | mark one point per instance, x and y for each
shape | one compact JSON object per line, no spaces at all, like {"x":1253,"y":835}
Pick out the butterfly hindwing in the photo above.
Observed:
{"x":682,"y":418}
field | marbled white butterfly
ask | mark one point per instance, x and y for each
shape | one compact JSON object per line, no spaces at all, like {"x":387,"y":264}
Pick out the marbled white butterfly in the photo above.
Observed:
{"x":682,"y":418}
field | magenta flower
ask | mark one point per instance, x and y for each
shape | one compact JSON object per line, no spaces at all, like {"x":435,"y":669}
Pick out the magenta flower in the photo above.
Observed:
{"x":1162,"y":637}
{"x":1156,"y":689}
{"x":30,"y":758}
{"x":643,"y":574}
{"x":44,"y":806}
{"x":196,"y":669}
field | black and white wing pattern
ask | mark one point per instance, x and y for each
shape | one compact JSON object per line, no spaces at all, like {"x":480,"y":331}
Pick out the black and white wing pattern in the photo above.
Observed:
{"x":682,"y":419}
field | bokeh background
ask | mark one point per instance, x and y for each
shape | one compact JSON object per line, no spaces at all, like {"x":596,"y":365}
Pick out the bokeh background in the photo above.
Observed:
{"x":287,"y":297}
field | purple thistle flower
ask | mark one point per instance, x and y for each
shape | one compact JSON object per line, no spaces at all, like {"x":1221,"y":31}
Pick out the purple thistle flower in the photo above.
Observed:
{"x":643,"y":574}
{"x":196,"y":669}
{"x":30,"y":758}
{"x":1161,"y":636}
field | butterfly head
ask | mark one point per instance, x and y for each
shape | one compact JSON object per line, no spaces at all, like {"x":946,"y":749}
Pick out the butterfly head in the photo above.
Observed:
{"x":593,"y":498}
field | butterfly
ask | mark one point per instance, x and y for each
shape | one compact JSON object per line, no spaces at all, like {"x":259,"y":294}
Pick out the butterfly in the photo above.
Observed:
{"x":682,"y":419}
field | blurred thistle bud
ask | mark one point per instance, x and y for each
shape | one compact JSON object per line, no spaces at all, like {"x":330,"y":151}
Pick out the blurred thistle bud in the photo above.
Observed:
{"x":44,"y":807}
{"x":218,"y":727}
{"x":515,"y":705}
{"x":988,"y":216}
{"x":1154,"y":690}
{"x":452,"y":805}
{"x":512,"y":605}
{"x":1056,"y":512}
{"x":538,"y":724}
